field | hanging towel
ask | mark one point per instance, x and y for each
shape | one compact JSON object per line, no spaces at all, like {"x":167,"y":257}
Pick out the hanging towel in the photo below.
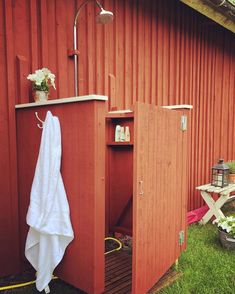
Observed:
{"x":48,"y":214}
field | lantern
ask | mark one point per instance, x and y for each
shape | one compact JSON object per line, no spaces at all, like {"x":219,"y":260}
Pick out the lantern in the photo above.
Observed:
{"x":220,"y":174}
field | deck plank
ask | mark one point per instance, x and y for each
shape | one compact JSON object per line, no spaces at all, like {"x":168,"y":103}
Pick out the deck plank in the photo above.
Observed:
{"x":118,"y":275}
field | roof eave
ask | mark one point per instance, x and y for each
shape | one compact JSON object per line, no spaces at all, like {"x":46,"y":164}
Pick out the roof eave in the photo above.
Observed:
{"x":220,"y":11}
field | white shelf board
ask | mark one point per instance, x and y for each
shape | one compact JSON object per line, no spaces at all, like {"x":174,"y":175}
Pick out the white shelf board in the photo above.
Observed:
{"x":64,"y":100}
{"x":181,"y":106}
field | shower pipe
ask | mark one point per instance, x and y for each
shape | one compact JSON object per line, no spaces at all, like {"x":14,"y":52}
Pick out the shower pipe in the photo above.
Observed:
{"x":103,"y":17}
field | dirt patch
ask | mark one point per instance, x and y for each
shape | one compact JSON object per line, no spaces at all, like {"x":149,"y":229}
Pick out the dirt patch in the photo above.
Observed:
{"x":56,"y":286}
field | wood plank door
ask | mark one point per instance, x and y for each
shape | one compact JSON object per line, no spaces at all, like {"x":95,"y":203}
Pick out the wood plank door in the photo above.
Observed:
{"x":159,"y":193}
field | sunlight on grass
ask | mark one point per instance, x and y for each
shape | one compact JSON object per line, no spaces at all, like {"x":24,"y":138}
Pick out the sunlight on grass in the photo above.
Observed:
{"x":207,"y":268}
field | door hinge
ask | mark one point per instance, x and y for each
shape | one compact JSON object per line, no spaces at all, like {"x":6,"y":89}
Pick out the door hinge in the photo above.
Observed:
{"x":181,"y":238}
{"x":183,"y":123}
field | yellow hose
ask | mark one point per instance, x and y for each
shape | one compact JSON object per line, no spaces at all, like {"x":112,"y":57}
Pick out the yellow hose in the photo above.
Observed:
{"x":116,"y":249}
{"x":21,"y":285}
{"x":53,"y":278}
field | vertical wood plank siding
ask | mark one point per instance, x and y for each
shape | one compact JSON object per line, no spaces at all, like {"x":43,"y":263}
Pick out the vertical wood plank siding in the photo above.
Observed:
{"x":161,"y":52}
{"x":9,"y":235}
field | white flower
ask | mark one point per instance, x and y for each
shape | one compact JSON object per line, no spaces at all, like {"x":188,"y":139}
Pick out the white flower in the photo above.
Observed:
{"x":51,"y":76}
{"x":225,"y":227}
{"x":46,"y":71}
{"x":31,"y":77}
{"x":42,"y":79}
{"x":227,"y":224}
{"x":53,"y":84}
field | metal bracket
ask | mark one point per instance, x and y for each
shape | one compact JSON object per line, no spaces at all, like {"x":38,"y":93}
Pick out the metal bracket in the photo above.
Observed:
{"x":181,"y":238}
{"x":183,"y":123}
{"x":72,"y":52}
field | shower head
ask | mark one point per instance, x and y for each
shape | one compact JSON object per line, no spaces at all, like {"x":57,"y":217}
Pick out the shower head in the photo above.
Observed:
{"x":104,"y":16}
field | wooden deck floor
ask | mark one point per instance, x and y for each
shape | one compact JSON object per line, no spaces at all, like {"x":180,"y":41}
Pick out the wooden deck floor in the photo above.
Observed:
{"x":118,"y":274}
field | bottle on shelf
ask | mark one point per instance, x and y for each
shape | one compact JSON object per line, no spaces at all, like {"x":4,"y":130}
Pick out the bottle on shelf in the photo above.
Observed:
{"x":117,"y":133}
{"x":122,"y":134}
{"x":127,"y":134}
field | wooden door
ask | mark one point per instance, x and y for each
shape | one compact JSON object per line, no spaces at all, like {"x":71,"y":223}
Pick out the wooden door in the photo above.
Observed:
{"x":159,"y":193}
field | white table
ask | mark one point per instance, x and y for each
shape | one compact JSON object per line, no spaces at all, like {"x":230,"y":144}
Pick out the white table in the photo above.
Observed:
{"x":214,"y":206}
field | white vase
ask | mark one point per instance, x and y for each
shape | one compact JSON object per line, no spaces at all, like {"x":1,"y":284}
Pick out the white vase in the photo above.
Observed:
{"x":40,"y":96}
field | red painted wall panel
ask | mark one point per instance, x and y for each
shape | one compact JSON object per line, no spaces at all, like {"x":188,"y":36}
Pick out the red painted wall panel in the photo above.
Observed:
{"x":158,"y":51}
{"x":9,"y":234}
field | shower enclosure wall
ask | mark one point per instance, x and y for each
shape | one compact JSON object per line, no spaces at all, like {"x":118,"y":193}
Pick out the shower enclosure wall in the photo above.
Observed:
{"x":135,"y":188}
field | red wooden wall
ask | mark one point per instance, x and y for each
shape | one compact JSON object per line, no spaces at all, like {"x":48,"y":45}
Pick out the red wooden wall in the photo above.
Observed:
{"x":155,"y":51}
{"x":82,"y":169}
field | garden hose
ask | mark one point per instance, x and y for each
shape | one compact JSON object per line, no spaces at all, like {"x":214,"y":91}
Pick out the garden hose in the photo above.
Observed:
{"x":53,"y":278}
{"x":116,"y":249}
{"x":21,"y":285}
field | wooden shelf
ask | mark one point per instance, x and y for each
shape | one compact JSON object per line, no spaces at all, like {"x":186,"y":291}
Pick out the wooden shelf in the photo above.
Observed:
{"x":63,"y":100}
{"x":120,"y":115}
{"x":119,"y":143}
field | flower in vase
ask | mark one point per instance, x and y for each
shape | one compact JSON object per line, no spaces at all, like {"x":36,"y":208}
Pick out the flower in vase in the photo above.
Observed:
{"x":42,"y":80}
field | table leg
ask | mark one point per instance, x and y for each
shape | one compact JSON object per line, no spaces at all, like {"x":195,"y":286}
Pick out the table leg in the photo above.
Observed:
{"x":214,"y":206}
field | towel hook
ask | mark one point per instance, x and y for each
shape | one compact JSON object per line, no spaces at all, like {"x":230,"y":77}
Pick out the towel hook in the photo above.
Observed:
{"x":41,"y":121}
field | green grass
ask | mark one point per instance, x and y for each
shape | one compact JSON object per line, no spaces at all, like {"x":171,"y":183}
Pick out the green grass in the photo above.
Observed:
{"x":207,"y":268}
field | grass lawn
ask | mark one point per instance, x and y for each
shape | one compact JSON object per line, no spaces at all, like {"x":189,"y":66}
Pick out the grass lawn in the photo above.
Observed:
{"x":207,"y":268}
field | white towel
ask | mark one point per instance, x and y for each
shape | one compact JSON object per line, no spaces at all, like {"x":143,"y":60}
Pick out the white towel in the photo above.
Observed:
{"x":48,"y":215}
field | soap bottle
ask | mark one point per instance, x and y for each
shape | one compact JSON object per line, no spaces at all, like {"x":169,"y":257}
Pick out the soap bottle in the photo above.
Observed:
{"x":127,"y":134}
{"x":117,"y":133}
{"x":122,"y":134}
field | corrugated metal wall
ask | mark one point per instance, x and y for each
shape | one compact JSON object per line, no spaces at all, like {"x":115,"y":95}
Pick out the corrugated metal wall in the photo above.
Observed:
{"x":161,"y":52}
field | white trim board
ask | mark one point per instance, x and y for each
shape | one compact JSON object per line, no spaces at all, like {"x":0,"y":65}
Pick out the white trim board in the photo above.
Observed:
{"x":181,"y":106}
{"x":64,"y":100}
